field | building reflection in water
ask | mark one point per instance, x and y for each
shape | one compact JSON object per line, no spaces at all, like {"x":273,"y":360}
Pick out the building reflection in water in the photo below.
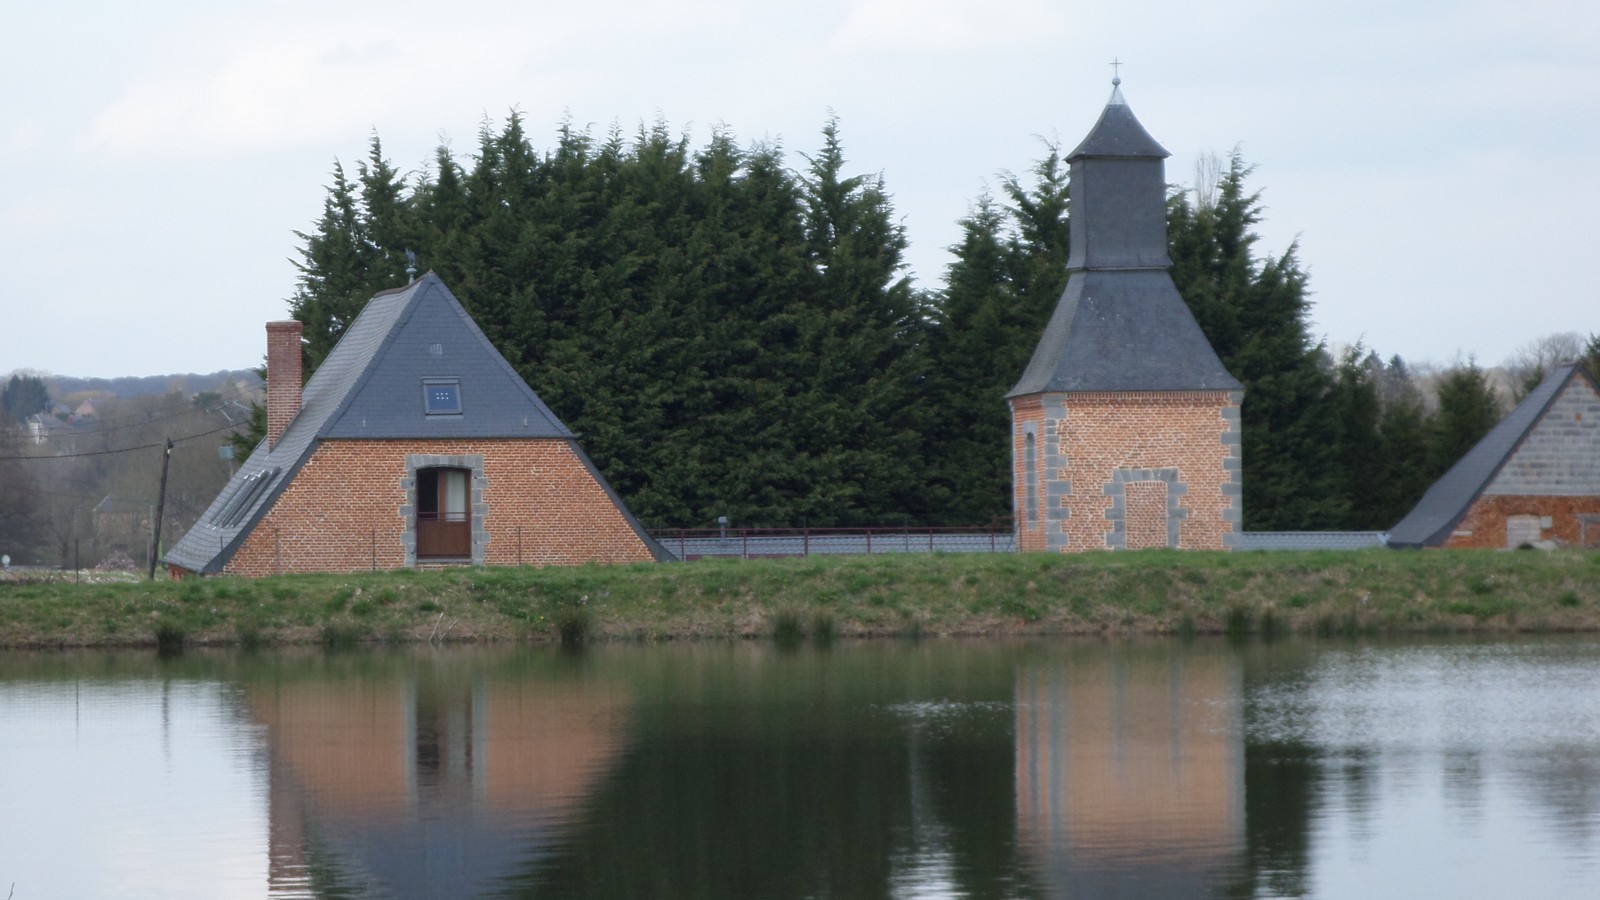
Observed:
{"x":439,"y":787}
{"x":1130,"y":772}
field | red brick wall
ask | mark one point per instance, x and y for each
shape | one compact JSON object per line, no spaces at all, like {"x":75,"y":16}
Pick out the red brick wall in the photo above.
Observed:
{"x":342,"y":511}
{"x":1485,"y":522}
{"x":1105,"y":432}
{"x":1027,"y":411}
{"x":1184,"y":431}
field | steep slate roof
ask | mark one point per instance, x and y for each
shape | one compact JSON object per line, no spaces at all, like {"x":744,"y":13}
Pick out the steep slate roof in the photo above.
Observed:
{"x":1436,"y":515}
{"x":370,"y":386}
{"x":1121,"y":326}
{"x":1123,"y":331}
{"x":1118,"y":133}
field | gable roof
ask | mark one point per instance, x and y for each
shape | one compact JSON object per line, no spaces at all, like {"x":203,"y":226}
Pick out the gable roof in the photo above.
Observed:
{"x":371,"y":386}
{"x":1436,"y":515}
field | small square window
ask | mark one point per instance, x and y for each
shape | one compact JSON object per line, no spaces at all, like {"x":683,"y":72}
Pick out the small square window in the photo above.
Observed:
{"x":441,"y":397}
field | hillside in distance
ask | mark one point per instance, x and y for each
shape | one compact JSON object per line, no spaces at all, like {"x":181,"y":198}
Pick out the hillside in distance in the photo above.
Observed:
{"x":130,"y":387}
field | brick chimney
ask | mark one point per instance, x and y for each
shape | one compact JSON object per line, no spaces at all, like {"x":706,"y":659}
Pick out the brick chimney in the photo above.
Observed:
{"x":283,"y":377}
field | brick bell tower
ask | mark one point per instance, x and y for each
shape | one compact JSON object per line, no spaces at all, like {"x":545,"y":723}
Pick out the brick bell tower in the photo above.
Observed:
{"x":1125,"y":425}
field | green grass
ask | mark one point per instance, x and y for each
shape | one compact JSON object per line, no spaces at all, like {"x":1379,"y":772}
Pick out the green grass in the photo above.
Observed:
{"x":1152,"y":592}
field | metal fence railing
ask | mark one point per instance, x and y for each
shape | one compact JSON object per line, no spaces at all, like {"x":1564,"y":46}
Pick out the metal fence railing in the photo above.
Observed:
{"x":745,"y":543}
{"x":1312,"y":540}
{"x":748,"y":543}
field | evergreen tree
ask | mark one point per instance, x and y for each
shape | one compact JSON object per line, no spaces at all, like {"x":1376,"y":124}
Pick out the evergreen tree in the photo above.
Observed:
{"x":1038,"y":247}
{"x":1591,"y":356}
{"x":23,"y":396}
{"x":1358,"y":476}
{"x":333,"y":271}
{"x":1008,"y":274}
{"x":1468,"y":409}
{"x":728,"y":337}
{"x":1406,"y":469}
{"x":967,"y":437}
{"x":1255,"y":315}
{"x":860,"y":327}
{"x":255,"y":431}
{"x":389,"y":226}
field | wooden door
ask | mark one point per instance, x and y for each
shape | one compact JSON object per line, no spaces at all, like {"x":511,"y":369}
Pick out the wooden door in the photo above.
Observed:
{"x":444,"y":515}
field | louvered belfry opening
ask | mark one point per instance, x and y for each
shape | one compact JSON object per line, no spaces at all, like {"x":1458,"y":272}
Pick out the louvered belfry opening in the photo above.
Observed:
{"x":444,"y":514}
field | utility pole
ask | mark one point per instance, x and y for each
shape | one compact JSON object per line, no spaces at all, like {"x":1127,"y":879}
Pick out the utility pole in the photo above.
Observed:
{"x":161,"y":507}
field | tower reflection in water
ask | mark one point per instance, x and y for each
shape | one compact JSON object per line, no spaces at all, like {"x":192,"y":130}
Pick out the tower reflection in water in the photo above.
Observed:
{"x":1129,"y":771}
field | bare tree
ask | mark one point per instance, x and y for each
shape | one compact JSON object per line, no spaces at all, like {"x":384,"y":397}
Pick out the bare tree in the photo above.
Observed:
{"x":19,"y":500}
{"x":1531,"y":363}
{"x":1208,"y":169}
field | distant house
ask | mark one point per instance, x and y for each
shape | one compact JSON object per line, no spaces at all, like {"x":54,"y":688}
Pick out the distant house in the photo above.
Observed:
{"x":44,"y":427}
{"x":1534,"y":478}
{"x":415,"y":443}
{"x":38,"y":428}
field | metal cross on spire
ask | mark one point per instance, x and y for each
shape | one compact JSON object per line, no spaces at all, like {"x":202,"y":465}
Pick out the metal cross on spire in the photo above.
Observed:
{"x":1116,"y":71}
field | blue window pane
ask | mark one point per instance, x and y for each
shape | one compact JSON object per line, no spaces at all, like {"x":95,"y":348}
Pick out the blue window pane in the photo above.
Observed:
{"x":441,"y":399}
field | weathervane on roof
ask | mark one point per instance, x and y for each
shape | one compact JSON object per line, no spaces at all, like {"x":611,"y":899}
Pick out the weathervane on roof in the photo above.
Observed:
{"x":1116,"y":72}
{"x":411,"y":267}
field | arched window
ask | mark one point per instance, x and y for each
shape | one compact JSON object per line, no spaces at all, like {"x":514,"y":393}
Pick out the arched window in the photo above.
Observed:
{"x":444,"y":513}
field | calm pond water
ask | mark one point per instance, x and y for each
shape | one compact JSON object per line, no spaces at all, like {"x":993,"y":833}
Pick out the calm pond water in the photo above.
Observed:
{"x":884,"y":769}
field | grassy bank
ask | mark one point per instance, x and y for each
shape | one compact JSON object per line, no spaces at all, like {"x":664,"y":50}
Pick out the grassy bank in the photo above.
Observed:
{"x":1365,"y":592}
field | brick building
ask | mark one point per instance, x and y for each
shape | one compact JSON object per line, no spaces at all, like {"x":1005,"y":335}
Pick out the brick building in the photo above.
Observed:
{"x":1125,"y":425}
{"x":1534,"y":478}
{"x":415,"y":443}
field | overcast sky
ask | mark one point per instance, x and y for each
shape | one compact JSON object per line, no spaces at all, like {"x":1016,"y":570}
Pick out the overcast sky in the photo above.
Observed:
{"x":1436,"y":160}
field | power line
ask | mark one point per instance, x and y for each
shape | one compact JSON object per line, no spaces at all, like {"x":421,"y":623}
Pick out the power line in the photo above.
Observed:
{"x":128,"y":449}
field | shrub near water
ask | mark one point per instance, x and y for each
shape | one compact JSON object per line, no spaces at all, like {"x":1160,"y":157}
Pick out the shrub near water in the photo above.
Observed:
{"x":786,"y":629}
{"x":573,"y":625}
{"x":169,"y":638}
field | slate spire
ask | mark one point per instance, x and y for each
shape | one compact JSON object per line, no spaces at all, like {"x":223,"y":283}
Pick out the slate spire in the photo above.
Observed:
{"x":1120,"y":324}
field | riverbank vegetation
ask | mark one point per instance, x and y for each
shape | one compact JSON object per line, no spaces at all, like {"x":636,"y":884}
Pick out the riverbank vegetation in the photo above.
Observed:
{"x":821,"y":598}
